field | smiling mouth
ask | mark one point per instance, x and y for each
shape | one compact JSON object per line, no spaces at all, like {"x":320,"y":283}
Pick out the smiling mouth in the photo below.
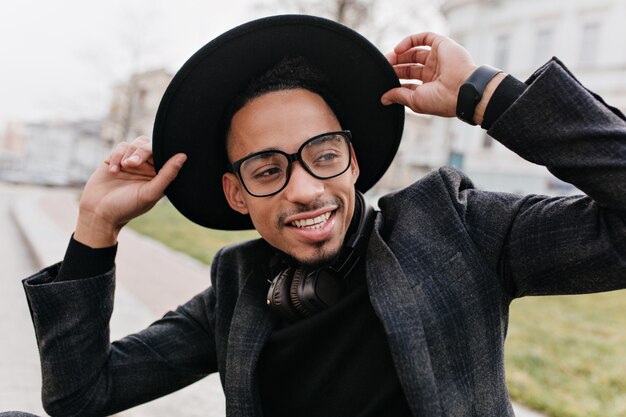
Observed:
{"x":312,"y":223}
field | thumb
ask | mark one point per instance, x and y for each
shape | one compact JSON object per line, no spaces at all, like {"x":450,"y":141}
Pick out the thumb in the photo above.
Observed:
{"x":157,"y":185}
{"x":399,"y":95}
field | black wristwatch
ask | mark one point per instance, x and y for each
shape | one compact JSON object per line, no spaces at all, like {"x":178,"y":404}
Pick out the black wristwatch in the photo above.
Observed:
{"x":471,"y":92}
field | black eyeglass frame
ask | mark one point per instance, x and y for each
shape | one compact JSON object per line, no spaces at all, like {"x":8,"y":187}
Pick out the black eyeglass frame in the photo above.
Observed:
{"x":296,"y":156}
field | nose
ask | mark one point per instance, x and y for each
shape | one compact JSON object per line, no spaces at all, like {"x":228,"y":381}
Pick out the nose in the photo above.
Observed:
{"x":303,"y":188}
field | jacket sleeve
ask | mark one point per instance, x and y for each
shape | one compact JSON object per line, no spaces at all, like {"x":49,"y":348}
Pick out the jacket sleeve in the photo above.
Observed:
{"x":558,"y":123}
{"x":561,"y":245}
{"x":84,"y":374}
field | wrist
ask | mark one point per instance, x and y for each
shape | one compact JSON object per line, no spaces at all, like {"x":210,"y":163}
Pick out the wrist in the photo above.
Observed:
{"x":481,"y":106}
{"x":95,"y":232}
{"x":473,"y":91}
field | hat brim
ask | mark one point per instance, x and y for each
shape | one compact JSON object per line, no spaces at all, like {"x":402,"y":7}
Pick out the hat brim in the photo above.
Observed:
{"x":190,"y":112}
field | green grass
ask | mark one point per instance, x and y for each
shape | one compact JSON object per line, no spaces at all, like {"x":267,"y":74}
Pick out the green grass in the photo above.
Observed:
{"x":165,"y":224}
{"x":565,"y":355}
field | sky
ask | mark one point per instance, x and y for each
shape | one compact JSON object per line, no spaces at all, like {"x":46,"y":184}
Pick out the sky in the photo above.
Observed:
{"x":59,"y":59}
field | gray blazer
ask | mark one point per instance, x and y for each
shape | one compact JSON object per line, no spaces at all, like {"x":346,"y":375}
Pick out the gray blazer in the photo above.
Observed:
{"x":443,"y":264}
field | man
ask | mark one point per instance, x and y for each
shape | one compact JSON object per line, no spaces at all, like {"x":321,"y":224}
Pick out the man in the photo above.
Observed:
{"x":403,"y":312}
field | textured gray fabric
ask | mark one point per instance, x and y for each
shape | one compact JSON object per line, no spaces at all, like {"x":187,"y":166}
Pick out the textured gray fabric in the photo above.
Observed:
{"x":443,"y":264}
{"x":16,"y":414}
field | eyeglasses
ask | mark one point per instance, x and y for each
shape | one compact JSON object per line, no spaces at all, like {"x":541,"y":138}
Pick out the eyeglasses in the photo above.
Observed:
{"x":266,"y":173}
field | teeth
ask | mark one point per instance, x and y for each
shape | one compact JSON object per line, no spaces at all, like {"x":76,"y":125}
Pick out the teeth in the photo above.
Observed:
{"x":314,"y":223}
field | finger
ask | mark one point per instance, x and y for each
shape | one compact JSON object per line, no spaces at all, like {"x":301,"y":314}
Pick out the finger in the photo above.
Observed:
{"x":145,"y":170}
{"x":138,"y":156}
{"x":409,"y":72}
{"x":417,"y":55}
{"x":419,"y":39}
{"x":132,"y":146}
{"x":116,"y":156}
{"x":410,"y":86}
{"x":139,"y":151}
{"x":156,"y":187}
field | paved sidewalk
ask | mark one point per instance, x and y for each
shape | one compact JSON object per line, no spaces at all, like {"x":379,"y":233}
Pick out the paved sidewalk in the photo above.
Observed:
{"x":20,"y":378}
{"x":151,"y":280}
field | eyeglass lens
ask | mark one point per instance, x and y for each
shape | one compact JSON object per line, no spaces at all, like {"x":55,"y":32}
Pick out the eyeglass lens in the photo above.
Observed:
{"x":324,"y":157}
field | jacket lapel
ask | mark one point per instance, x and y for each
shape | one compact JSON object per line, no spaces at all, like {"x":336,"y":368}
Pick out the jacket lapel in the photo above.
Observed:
{"x":397,"y":306}
{"x":395,"y":303}
{"x":251,"y":326}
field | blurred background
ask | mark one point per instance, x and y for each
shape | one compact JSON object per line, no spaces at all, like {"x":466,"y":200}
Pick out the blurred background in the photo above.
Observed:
{"x":78,"y":77}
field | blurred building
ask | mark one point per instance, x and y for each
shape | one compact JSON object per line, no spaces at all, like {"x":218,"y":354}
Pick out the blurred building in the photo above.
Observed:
{"x":518,"y":37}
{"x":11,"y":147}
{"x":134,"y":105}
{"x":58,"y":153}
{"x":63,"y":152}
{"x":12,"y":139}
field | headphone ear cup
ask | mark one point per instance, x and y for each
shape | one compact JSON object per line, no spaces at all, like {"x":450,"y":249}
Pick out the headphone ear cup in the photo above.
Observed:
{"x":278,"y":296}
{"x":295,"y":291}
{"x":314,"y":291}
{"x":320,"y":290}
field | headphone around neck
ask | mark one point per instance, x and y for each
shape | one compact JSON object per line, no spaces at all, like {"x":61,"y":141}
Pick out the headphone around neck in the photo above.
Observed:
{"x":297,"y":292}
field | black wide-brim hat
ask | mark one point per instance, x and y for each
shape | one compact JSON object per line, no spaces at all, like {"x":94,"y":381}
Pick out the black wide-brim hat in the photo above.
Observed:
{"x":190,"y":115}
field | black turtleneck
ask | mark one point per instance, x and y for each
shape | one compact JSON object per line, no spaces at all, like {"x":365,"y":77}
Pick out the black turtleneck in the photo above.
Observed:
{"x":336,"y":363}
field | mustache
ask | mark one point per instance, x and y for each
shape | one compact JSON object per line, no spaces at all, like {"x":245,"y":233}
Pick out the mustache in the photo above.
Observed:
{"x":302,"y":208}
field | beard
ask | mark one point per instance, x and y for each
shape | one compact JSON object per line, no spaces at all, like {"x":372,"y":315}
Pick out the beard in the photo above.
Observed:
{"x":323,"y":256}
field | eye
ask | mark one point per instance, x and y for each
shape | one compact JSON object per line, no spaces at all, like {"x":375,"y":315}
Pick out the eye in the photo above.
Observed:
{"x":263,"y":167}
{"x":266,"y":173}
{"x":326,"y":157}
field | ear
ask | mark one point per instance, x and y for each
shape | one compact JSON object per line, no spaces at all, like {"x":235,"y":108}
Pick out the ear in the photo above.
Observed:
{"x":354,"y":165}
{"x":233,"y":190}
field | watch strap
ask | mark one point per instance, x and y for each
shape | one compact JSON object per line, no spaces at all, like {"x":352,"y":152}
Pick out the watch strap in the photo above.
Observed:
{"x":471,"y":92}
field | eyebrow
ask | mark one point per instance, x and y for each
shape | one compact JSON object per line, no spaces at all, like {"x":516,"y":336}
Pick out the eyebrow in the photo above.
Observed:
{"x":270,"y":149}
{"x":265,"y":154}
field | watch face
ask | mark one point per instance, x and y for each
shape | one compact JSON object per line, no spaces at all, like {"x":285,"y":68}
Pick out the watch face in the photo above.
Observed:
{"x":471,"y":92}
{"x":466,"y":102}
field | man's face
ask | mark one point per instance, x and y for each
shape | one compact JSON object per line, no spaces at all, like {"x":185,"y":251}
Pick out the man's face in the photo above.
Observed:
{"x":283,"y":120}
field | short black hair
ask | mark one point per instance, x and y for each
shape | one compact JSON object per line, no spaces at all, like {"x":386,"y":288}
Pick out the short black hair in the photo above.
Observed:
{"x":290,"y":73}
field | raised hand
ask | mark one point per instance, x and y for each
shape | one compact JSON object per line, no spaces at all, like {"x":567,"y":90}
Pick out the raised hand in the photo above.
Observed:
{"x":440,"y":66}
{"x":123,"y":187}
